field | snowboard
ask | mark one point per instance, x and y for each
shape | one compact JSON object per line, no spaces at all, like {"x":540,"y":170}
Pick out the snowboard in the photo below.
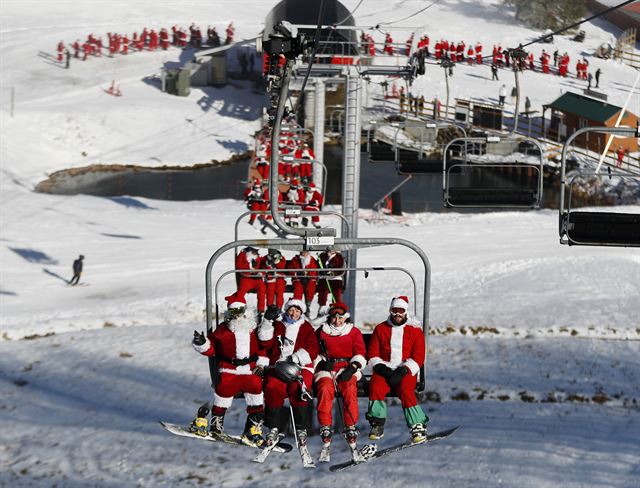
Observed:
{"x":390,"y":450}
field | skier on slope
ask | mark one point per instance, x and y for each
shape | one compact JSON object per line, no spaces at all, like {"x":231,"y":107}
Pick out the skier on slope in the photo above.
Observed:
{"x":396,"y":353}
{"x":342,"y":357}
{"x":77,"y":270}
{"x":290,"y":339}
{"x":240,"y":361}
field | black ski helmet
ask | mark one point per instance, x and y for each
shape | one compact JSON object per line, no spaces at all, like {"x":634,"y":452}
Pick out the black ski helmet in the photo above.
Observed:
{"x":286,"y":371}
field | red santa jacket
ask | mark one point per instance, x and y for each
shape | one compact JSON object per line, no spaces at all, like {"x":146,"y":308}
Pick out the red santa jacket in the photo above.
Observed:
{"x":266,"y":262}
{"x":232,"y":341}
{"x":313,"y":198}
{"x":297,"y":262}
{"x":344,"y":344}
{"x":335,"y":261}
{"x":243,"y":262}
{"x":397,"y":345}
{"x":297,"y":339}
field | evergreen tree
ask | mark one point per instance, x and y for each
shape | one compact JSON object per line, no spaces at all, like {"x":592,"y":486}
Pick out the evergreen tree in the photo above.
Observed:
{"x":547,"y":14}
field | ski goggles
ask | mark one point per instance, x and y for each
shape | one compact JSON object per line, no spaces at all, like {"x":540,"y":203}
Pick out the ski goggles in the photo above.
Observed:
{"x":233,"y":313}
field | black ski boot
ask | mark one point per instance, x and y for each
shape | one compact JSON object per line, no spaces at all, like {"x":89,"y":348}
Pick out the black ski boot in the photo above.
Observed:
{"x":377,"y":428}
{"x":252,"y":434}
{"x":199,"y":425}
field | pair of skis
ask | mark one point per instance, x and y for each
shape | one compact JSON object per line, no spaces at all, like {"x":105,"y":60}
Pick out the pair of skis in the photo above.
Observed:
{"x":182,"y":431}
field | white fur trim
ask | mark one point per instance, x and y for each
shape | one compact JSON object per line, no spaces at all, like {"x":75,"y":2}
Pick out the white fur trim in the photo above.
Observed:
{"x":327,"y":328}
{"x":262,"y":361}
{"x":220,"y":401}
{"x":203,"y":348}
{"x":254,"y":400}
{"x":397,"y":333}
{"x":321,"y":374}
{"x":360,"y":360}
{"x":242,"y":370}
{"x":412,"y":365}
{"x":376,"y":360}
{"x":399,"y":303}
{"x":292,"y":302}
{"x":265,"y":332}
{"x":302,"y":357}
{"x":237,"y":305}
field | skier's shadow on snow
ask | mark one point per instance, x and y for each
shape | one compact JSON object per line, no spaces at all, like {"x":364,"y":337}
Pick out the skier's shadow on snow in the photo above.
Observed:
{"x":55,"y":275}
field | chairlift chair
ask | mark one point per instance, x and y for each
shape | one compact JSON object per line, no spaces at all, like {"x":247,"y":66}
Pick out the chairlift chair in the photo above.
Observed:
{"x":589,"y":227}
{"x":480,"y":181}
{"x":211,"y":298}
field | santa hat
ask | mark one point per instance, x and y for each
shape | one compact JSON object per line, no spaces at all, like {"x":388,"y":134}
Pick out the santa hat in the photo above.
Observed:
{"x":312,"y":185}
{"x":293,"y":302}
{"x":339,"y":308}
{"x":399,"y":302}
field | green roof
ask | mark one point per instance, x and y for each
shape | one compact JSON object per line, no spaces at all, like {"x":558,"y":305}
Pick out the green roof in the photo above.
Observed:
{"x":585,"y":107}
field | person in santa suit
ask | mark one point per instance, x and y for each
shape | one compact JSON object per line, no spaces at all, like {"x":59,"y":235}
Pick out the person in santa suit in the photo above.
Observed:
{"x":249,"y":260}
{"x":289,"y":339}
{"x":396,"y":354}
{"x":253,"y":197}
{"x":240,"y":362}
{"x":341,"y":359}
{"x":304,"y":281}
{"x":60,"y":50}
{"x":312,"y":203}
{"x":329,"y":281}
{"x":275,"y":282}
{"x":388,"y":45}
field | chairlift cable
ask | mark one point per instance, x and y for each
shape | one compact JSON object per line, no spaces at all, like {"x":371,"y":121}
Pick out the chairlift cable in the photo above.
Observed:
{"x":313,"y":54}
{"x":350,"y":15}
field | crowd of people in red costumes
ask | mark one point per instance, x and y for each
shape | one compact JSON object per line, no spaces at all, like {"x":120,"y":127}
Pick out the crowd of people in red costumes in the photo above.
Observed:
{"x":308,"y":276}
{"x":460,"y":52}
{"x":295,"y":175}
{"x":148,"y":39}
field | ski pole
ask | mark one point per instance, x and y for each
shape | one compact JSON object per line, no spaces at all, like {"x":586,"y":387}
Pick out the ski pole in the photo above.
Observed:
{"x":333,"y":298}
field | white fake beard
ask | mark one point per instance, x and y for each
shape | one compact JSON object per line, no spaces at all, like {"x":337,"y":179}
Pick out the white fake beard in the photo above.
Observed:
{"x":241,"y":324}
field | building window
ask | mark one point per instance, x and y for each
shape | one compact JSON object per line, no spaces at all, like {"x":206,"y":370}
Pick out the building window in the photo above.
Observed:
{"x":582,"y":123}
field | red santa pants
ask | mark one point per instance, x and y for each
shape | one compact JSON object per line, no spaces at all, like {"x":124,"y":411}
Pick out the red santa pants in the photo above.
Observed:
{"x":229,"y":385}
{"x":251,"y":284}
{"x":276,"y":391}
{"x":263,"y":169}
{"x":312,"y":208}
{"x":306,"y":288}
{"x":325,"y":392}
{"x":406,"y":390}
{"x":275,"y":292}
{"x":323,"y":291}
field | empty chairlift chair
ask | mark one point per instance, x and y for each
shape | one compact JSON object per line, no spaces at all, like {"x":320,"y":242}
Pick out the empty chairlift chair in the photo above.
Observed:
{"x":492,"y":172}
{"x":596,"y":222}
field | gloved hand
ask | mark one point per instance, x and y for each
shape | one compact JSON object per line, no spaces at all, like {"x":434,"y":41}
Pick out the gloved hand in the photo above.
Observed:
{"x":325,"y":365}
{"x":396,"y":376}
{"x":259,"y":371}
{"x":383,"y":370}
{"x":198,"y":338}
{"x":272,"y":313}
{"x":348,"y":372}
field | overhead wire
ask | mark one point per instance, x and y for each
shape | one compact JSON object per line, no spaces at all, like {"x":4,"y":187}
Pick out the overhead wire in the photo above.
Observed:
{"x":313,"y":54}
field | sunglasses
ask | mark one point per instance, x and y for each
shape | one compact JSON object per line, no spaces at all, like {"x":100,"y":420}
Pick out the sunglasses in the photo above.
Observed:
{"x":339,"y":315}
{"x":398,"y":314}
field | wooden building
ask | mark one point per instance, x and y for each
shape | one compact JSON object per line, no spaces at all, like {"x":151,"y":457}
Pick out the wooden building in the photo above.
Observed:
{"x":573,"y":111}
